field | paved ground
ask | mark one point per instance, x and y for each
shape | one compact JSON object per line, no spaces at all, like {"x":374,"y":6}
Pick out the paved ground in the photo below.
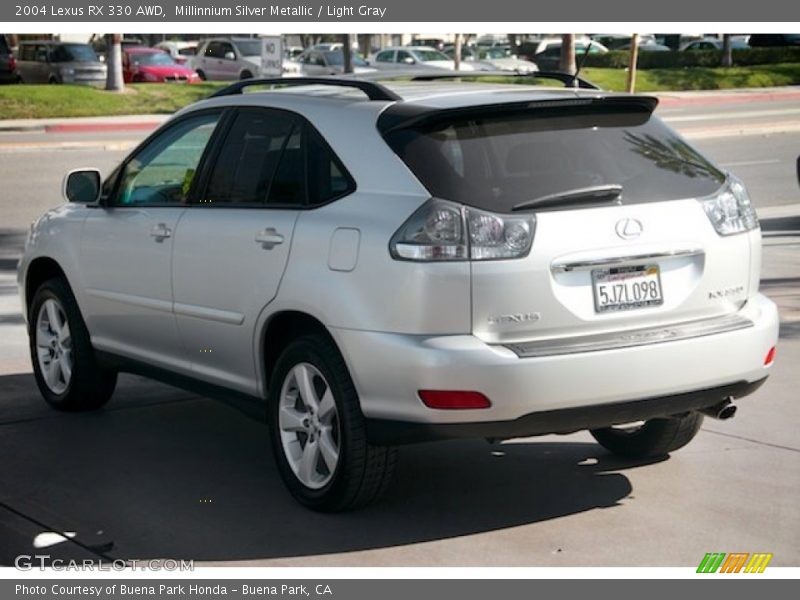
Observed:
{"x":164,"y":473}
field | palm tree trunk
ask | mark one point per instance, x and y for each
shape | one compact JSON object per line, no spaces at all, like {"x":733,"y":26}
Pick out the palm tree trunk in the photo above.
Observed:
{"x":114,"y":82}
{"x":727,"y":50}
{"x":568,"y":53}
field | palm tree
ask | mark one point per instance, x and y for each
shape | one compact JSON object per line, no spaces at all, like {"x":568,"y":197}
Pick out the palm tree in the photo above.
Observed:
{"x":568,"y":53}
{"x":727,"y":50}
{"x":114,"y":82}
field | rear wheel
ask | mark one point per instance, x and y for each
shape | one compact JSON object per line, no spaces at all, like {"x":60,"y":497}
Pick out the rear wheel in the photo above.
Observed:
{"x":246,"y":75}
{"x":318,"y":432}
{"x":201,"y":74}
{"x":650,"y":439}
{"x":64,"y":363}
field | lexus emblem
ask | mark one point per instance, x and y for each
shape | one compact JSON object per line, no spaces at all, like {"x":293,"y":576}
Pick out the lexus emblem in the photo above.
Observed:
{"x":629,"y":229}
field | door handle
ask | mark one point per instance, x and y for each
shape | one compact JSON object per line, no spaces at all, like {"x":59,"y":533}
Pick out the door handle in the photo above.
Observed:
{"x":161,"y":232}
{"x":269,"y":238}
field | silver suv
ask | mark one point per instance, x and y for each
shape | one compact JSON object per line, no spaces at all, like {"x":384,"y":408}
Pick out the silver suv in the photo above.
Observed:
{"x":381,"y":266}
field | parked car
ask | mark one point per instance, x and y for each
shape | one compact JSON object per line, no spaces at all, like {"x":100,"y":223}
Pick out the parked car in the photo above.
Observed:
{"x":220,"y":59}
{"x":329,"y":62}
{"x":143,"y":65}
{"x":8,"y":64}
{"x":647,"y":47}
{"x":549,"y":59}
{"x":98,"y":44}
{"x":59,"y":62}
{"x":714,"y":44}
{"x":760,"y":40}
{"x":421,"y":264}
{"x":180,"y":51}
{"x":413,"y":57}
{"x":616,"y":41}
{"x":492,"y":58}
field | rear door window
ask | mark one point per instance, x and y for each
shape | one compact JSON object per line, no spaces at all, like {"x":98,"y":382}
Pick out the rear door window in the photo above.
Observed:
{"x":498,"y":160}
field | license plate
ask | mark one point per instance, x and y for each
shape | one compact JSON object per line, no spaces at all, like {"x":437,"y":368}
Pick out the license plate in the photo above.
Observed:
{"x":626,"y":288}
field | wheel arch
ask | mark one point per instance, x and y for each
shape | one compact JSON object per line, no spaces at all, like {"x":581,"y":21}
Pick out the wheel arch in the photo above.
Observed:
{"x":281,"y":328}
{"x":40,"y":270}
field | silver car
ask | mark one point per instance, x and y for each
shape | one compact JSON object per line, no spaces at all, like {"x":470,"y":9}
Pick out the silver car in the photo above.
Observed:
{"x":225,"y":59}
{"x":376,"y":266}
{"x":59,"y":62}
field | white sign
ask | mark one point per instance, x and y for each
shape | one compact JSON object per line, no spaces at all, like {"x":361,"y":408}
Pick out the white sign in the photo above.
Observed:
{"x":271,"y":56}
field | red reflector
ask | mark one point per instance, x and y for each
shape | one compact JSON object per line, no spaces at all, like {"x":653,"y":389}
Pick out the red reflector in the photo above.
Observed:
{"x":770,"y":356}
{"x":446,"y":399}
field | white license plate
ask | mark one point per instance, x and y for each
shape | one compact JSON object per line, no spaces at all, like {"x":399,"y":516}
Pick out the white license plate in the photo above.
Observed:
{"x":626,"y":288}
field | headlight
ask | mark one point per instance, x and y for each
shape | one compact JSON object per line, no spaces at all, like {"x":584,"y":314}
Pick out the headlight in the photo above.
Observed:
{"x":730,"y":211}
{"x":444,"y":231}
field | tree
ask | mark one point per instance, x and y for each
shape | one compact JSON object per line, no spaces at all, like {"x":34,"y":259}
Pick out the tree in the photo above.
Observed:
{"x":347,"y":50}
{"x":457,"y":52}
{"x":114,"y":82}
{"x":634,"y":55}
{"x":568,"y":53}
{"x":727,"y":50}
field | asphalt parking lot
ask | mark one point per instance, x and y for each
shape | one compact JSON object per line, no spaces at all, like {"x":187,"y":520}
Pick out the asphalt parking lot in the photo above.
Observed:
{"x":164,"y":473}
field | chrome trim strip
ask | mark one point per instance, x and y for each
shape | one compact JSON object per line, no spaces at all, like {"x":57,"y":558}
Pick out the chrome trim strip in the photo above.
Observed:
{"x":151,"y":303}
{"x":209,"y":314}
{"x":631,"y":338}
{"x":615,"y":261}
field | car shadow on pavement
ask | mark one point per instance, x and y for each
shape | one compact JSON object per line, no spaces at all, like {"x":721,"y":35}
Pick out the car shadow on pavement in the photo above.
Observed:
{"x":162,"y":473}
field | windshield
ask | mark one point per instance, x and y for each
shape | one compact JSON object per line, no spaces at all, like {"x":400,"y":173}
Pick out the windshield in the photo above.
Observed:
{"x":496,"y":52}
{"x":152,"y":58}
{"x":336,"y":58}
{"x":73,"y":53}
{"x":429,"y":55}
{"x":249,"y":47}
{"x":497,"y":162}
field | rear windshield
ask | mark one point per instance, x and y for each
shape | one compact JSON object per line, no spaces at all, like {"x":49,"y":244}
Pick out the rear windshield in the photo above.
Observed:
{"x":498,"y":161}
{"x":4,"y":49}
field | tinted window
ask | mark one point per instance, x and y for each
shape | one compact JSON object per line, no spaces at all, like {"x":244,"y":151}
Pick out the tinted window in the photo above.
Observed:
{"x":73,"y":53}
{"x":288,"y":184}
{"x":498,"y":161}
{"x":216,"y":49}
{"x":27,"y":52}
{"x":402,"y":56}
{"x":163,"y":171}
{"x":385,"y":56}
{"x":249,"y":157}
{"x":327,"y":177}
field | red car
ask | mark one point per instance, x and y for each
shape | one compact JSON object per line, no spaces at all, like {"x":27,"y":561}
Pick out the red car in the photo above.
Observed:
{"x":154,"y":65}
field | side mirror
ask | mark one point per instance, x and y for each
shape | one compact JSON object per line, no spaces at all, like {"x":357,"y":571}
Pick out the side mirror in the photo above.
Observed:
{"x":408,"y":60}
{"x":230,"y":56}
{"x":82,"y":186}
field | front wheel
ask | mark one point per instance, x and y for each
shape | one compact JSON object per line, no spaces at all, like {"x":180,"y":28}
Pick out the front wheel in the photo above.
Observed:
{"x":650,"y":439}
{"x":318,"y":432}
{"x":64,"y":363}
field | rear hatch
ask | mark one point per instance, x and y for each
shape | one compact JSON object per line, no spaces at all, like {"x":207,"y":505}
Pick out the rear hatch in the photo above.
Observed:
{"x":621,"y":237}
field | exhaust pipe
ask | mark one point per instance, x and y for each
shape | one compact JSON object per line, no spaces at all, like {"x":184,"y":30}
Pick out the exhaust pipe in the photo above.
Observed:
{"x":722,"y":411}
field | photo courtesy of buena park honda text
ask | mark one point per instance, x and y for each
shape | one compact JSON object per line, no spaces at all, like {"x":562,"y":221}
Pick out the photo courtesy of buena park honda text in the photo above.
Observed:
{"x":399,"y":299}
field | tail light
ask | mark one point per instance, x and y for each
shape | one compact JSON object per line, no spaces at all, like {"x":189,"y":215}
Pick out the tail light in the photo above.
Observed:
{"x":770,"y":358}
{"x":453,"y":400}
{"x":731,"y":211}
{"x":12,"y":63}
{"x":441,"y":230}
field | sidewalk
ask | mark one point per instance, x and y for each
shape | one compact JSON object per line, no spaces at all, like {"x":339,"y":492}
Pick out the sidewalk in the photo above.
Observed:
{"x":149,"y":122}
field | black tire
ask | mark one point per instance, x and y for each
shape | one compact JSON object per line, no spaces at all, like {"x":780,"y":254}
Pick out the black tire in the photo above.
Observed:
{"x":655,"y":438}
{"x":363,"y":471}
{"x":89,"y":386}
{"x":53,"y":80}
{"x":246,"y":75}
{"x":201,"y":74}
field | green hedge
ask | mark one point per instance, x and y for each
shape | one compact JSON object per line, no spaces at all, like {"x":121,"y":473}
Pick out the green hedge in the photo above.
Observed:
{"x":618,"y":59}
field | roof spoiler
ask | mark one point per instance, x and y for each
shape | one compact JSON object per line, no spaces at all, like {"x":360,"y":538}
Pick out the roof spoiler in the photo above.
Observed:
{"x":373,"y":91}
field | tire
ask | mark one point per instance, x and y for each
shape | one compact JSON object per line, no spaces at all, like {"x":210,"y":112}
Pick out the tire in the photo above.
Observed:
{"x":201,"y":75}
{"x":311,"y":365}
{"x":246,"y":75}
{"x":79,"y":384}
{"x":655,"y":438}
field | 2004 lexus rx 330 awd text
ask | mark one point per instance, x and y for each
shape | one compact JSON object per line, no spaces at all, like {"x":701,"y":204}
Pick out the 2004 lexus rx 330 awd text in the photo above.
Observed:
{"x":382,"y":266}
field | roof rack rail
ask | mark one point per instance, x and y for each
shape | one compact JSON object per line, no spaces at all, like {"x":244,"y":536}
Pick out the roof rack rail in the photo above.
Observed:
{"x":565,"y":78}
{"x":373,"y":91}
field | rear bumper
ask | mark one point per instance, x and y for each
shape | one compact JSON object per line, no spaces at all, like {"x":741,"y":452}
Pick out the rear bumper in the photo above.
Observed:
{"x":567,"y":420}
{"x":389,"y":369}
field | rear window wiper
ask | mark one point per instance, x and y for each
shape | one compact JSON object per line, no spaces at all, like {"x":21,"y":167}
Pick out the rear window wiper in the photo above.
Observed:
{"x":597,"y":194}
